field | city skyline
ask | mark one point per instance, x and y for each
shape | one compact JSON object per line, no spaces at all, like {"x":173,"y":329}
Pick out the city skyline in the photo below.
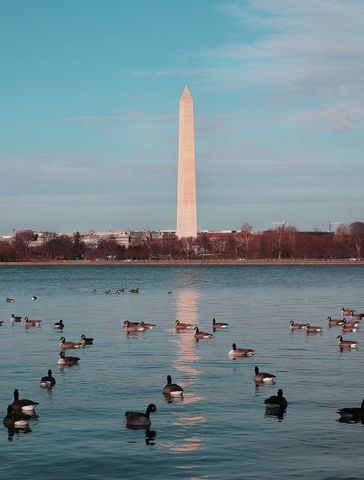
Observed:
{"x":89,"y":125}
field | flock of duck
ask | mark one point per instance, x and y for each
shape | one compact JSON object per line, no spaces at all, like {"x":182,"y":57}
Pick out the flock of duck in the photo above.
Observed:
{"x":21,"y":411}
{"x":275,"y":404}
{"x":347,"y":327}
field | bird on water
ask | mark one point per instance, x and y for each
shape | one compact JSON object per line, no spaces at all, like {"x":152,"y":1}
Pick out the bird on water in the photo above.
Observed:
{"x":67,"y":360}
{"x":240,"y":352}
{"x":140,"y":420}
{"x":15,"y":419}
{"x":199,"y":334}
{"x":276,"y":404}
{"x":23,"y":404}
{"x":48,"y":381}
{"x":351,"y":414}
{"x":216,"y":324}
{"x":263,"y":377}
{"x":58,"y":325}
{"x":172,"y":389}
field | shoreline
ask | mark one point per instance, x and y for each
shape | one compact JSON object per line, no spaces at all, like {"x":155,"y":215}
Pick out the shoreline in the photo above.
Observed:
{"x":181,"y":262}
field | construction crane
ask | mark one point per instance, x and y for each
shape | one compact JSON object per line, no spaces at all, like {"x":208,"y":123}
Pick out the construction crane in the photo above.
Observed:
{"x":330,"y":224}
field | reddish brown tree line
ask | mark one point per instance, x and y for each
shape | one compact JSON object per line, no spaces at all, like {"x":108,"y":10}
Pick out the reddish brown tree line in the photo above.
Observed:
{"x":283,"y":242}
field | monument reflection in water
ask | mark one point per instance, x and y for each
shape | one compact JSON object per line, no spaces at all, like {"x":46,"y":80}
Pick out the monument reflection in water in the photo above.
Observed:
{"x":187,"y":357}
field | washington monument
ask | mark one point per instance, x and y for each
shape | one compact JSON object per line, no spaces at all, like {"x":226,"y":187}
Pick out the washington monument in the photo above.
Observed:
{"x":186,"y":190}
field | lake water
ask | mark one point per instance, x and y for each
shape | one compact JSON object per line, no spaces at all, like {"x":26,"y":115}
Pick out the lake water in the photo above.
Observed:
{"x":219,"y":430}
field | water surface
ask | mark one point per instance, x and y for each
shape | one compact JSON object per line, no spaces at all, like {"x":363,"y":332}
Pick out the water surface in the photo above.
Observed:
{"x":219,"y":430}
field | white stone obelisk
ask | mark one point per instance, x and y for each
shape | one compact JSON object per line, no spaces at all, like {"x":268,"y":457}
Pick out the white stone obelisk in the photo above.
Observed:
{"x":186,"y":194}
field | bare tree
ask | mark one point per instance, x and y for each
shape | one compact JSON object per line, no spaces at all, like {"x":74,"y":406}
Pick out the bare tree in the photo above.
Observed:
{"x":357,"y":237}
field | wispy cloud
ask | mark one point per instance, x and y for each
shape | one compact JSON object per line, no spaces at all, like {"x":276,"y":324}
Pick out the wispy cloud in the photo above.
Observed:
{"x":307,"y":51}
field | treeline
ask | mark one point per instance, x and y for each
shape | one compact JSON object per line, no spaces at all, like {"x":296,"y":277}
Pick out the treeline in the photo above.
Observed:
{"x":283,"y":242}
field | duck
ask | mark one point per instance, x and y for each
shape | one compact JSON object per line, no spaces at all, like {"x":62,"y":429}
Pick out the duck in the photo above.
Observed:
{"x":140,"y":420}
{"x":134,"y":290}
{"x":346,"y":343}
{"x":48,"y":381}
{"x":349,"y":328}
{"x":9,"y":300}
{"x":58,"y":325}
{"x":356,"y":316}
{"x":216,"y":324}
{"x":199,"y":334}
{"x":346,"y":311}
{"x":15,"y":318}
{"x":1,"y":322}
{"x":23,"y":404}
{"x":241,"y":352}
{"x":312,"y":329}
{"x":296,"y":326}
{"x":172,"y":389}
{"x":34,"y":298}
{"x":352,"y":414}
{"x":32,"y":323}
{"x":353,"y":323}
{"x":66,"y":345}
{"x":63,"y":360}
{"x":335,"y":322}
{"x":262,"y":377}
{"x":86,"y":340}
{"x":133,"y":327}
{"x":147,"y":326}
{"x":276,"y":403}
{"x":15,"y":419}
{"x":94,"y":291}
{"x":183,"y":326}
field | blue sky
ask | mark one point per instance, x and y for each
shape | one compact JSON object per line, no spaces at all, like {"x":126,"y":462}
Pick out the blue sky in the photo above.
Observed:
{"x":89,"y":112}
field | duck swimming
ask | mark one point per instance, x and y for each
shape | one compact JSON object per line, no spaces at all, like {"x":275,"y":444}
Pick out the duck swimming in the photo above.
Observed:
{"x":356,"y":316}
{"x":333,"y":322}
{"x":216,"y":324}
{"x":183,"y":326}
{"x":32,"y":323}
{"x":23,"y":404}
{"x":312,"y":329}
{"x":200,"y":335}
{"x":58,"y":325}
{"x":296,"y":326}
{"x":352,"y":414}
{"x":346,"y":343}
{"x":15,"y":419}
{"x":48,"y":381}
{"x":86,"y":340}
{"x":172,"y":389}
{"x":133,"y":327}
{"x":262,"y":377}
{"x":67,"y":360}
{"x":240,"y":352}
{"x":276,"y":404}
{"x":140,"y":420}
{"x":15,"y":318}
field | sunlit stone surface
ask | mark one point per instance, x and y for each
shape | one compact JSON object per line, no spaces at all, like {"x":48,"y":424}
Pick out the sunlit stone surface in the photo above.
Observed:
{"x":186,"y":195}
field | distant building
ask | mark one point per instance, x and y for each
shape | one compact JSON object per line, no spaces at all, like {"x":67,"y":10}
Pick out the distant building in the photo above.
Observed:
{"x":91,"y":238}
{"x":6,"y":238}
